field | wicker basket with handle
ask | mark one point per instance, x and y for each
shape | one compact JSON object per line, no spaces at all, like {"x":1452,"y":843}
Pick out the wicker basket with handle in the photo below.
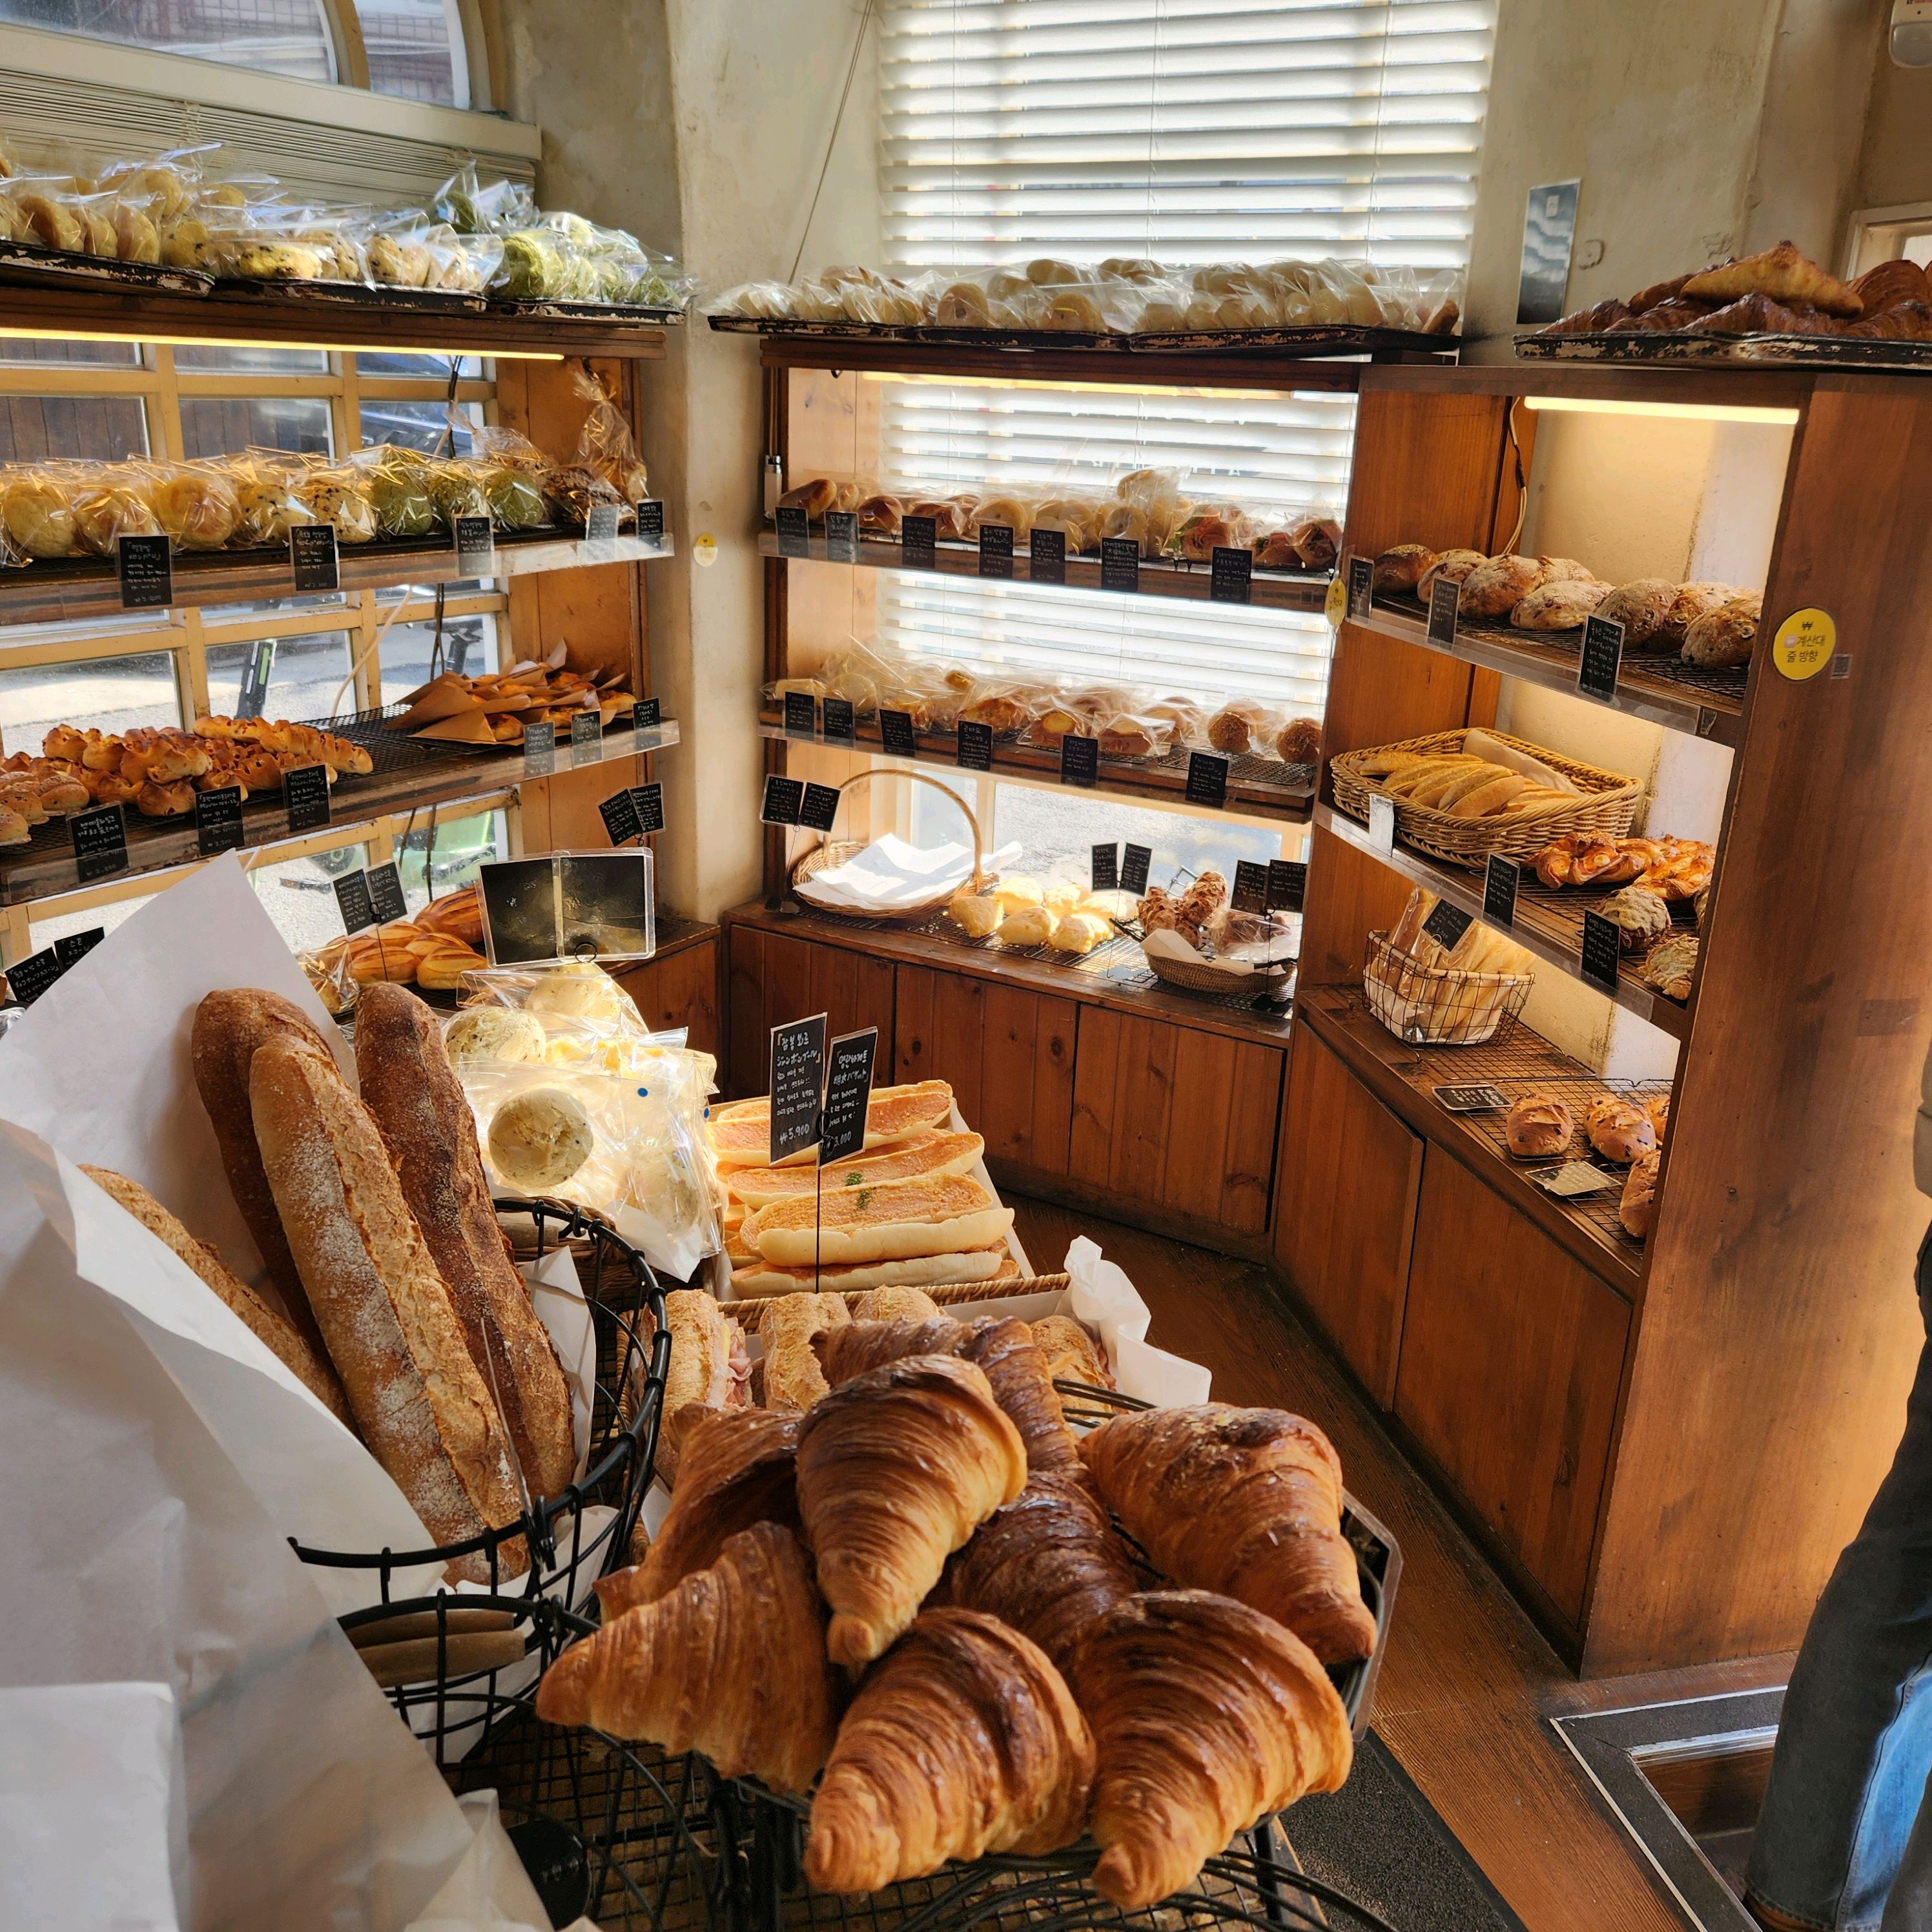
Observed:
{"x":1215,"y":980}
{"x":1605,"y":804}
{"x":828,"y":852}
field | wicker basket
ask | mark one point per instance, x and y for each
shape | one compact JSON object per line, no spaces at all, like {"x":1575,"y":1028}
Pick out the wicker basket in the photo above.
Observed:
{"x":829,"y":852}
{"x":1431,"y":1006}
{"x":1191,"y":978}
{"x":1607,"y":805}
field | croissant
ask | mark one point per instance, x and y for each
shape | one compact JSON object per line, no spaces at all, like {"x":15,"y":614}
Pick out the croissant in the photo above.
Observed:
{"x":896,"y":1469}
{"x":1247,"y":1502}
{"x":731,"y":1663}
{"x":1262,"y":1723}
{"x":735,"y":1468}
{"x":964,"y":1741}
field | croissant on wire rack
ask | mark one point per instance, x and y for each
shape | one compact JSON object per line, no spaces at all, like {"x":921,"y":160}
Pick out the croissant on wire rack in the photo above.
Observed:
{"x":735,"y":1469}
{"x":1206,"y":1715}
{"x":896,"y":1468}
{"x":1247,"y":1502}
{"x":965,"y":1740}
{"x":731,"y":1663}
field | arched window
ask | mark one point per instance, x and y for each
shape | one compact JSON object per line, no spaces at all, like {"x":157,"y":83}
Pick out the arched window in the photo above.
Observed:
{"x":415,"y":48}
{"x":291,"y":36}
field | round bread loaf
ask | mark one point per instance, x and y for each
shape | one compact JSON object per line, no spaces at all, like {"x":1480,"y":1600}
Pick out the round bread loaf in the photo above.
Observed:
{"x":1538,"y":1125}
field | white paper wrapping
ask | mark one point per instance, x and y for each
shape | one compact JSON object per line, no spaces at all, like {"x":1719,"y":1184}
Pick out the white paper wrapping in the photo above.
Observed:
{"x":488,"y":1892}
{"x":888,"y":875}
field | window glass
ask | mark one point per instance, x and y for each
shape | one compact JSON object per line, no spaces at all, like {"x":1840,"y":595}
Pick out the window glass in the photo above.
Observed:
{"x":415,"y":49}
{"x":47,"y":349}
{"x":215,"y":425}
{"x":469,"y":648}
{"x":451,"y":850}
{"x":64,"y":925}
{"x":288,"y":37}
{"x":304,"y":679}
{"x":106,"y":694}
{"x":299,"y":894}
{"x":402,"y":362}
{"x":34,"y":429}
{"x":1057,"y":831}
{"x":420,"y":425}
{"x":208,"y":356}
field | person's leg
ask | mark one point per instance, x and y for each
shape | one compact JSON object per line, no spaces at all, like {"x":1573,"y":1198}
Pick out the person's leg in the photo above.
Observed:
{"x":1855,"y":1744}
{"x":1908,"y":1908}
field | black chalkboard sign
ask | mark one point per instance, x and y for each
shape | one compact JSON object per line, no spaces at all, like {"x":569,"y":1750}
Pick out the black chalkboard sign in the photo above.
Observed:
{"x":650,"y":520}
{"x":539,"y":749}
{"x":1046,"y":556}
{"x":1079,"y":761}
{"x":1600,"y":949}
{"x":1603,"y":653}
{"x":305,"y":794}
{"x":314,"y":559}
{"x":839,"y":727}
{"x":1106,"y":863}
{"x":797,"y":1086}
{"x":1443,"y":598}
{"x":848,"y":1094}
{"x":649,"y":799}
{"x":217,"y":820}
{"x":1119,"y":564}
{"x":385,"y":893}
{"x":1206,"y":778}
{"x":1446,"y":924}
{"x":1135,"y":861}
{"x":600,"y":524}
{"x":919,"y":540}
{"x":476,"y":546}
{"x":976,"y":746}
{"x":27,"y":978}
{"x":1501,"y":878}
{"x":794,"y":531}
{"x":76,"y":946}
{"x":1251,"y":882}
{"x":801,"y":712}
{"x":819,"y":807}
{"x":1361,"y":582}
{"x":147,"y":573}
{"x":352,"y":896}
{"x":841,"y":536}
{"x":100,"y":843}
{"x":1231,"y":575}
{"x":619,"y":815}
{"x":587,"y":733}
{"x":783,"y":797}
{"x":647,"y":714}
{"x":896,"y":735}
{"x":1287,"y":884}
{"x":996,"y":550}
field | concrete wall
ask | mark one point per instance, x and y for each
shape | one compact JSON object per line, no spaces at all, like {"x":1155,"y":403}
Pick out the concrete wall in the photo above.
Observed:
{"x":1895,"y":164}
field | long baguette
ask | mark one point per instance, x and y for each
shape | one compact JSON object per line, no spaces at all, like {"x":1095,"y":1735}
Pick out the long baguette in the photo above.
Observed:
{"x":383,"y":1308}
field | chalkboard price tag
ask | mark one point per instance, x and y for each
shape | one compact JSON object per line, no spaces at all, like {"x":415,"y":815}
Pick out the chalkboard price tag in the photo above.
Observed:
{"x":385,"y":893}
{"x":1480,"y":1099}
{"x":797,"y":1086}
{"x":1206,"y":778}
{"x":794,"y":531}
{"x":976,"y":746}
{"x":314,"y":556}
{"x":1251,"y":881}
{"x":919,"y":540}
{"x":896,"y":735}
{"x":1446,"y":924}
{"x":217,"y":820}
{"x":1361,"y":582}
{"x":1603,"y":653}
{"x":587,"y":732}
{"x":600,"y":523}
{"x":783,"y":797}
{"x":1287,"y":886}
{"x":1381,"y":822}
{"x":1046,"y":556}
{"x":1079,"y":761}
{"x":27,"y":978}
{"x":649,"y":799}
{"x":255,"y":675}
{"x":1573,"y":1178}
{"x":647,"y":714}
{"x":1601,"y":948}
{"x":996,"y":550}
{"x":819,"y":807}
{"x":619,"y":815}
{"x":539,"y":749}
{"x":848,"y":1094}
{"x":352,"y":895}
{"x":1120,"y":563}
{"x":1231,"y":575}
{"x":1501,"y":878}
{"x":801,"y":712}
{"x":1135,"y":861}
{"x":76,"y":946}
{"x":1443,"y":597}
{"x":147,"y":573}
{"x":842,"y":535}
{"x":100,"y":843}
{"x":476,"y":546}
{"x":839,"y":727}
{"x":650,"y":521}
{"x":1106,"y":873}
{"x":305,"y":794}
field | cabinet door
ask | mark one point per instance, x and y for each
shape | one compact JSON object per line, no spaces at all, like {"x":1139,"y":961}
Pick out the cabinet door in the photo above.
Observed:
{"x":774,"y":978}
{"x":1511,"y":1357}
{"x":1346,"y":1216}
{"x":679,"y":989}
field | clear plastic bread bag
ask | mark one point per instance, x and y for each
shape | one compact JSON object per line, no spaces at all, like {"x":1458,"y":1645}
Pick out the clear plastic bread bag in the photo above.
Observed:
{"x":396,"y":480}
{"x":605,"y":444}
{"x":337,"y":494}
{"x":37,"y":511}
{"x":45,"y":213}
{"x":398,"y":253}
{"x":472,"y":207}
{"x":757,"y":301}
{"x":108,"y":501}
{"x":466,"y":263}
{"x":195,"y":504}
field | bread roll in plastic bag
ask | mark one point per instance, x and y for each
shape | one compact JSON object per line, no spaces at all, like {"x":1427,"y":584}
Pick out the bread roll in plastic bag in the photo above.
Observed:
{"x":605,"y":444}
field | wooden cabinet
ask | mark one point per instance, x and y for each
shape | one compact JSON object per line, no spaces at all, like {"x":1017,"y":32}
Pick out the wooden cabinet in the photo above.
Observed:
{"x":773,"y":978}
{"x":1349,"y":1174}
{"x":679,"y":988}
{"x":1511,"y":1358}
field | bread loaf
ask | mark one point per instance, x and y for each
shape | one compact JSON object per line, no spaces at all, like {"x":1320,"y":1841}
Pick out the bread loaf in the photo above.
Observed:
{"x":408,"y":1084}
{"x":1538,"y":1125}
{"x":383,"y":1310}
{"x":1635,"y":1209}
{"x":1618,"y":1128}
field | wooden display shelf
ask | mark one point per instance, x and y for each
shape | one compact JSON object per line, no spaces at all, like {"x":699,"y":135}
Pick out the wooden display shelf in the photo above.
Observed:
{"x":1160,"y":577}
{"x":1549,"y":924}
{"x":73,"y":588}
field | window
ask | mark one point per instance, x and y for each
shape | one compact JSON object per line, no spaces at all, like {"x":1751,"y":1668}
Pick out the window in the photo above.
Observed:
{"x":415,"y":48}
{"x":290,"y":37}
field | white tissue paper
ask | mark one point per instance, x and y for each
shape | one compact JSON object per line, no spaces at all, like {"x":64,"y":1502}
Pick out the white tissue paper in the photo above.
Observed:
{"x":890,"y":875}
{"x":489,"y":1891}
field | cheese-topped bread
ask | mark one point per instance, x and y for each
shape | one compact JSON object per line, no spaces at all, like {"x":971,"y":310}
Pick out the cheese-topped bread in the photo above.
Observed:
{"x":890,"y":1221}
{"x":741,"y":1133}
{"x":936,"y":1155}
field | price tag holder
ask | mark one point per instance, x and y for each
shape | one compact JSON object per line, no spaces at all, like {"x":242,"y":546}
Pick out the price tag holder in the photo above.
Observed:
{"x":255,"y":674}
{"x":996,"y":550}
{"x":315,"y":557}
{"x":600,"y":533}
{"x":1287,"y":885}
{"x":29,"y":978}
{"x":539,"y":749}
{"x":1046,"y":556}
{"x":100,"y":843}
{"x":305,"y":796}
{"x":848,"y":1094}
{"x":1501,"y":879}
{"x":1207,"y":779}
{"x":1381,"y":822}
{"x":1231,"y":578}
{"x":818,"y":808}
{"x":649,"y":799}
{"x":1361,"y":585}
{"x":352,"y":895}
{"x":1443,"y":598}
{"x":76,"y":946}
{"x":896,"y":735}
{"x":1135,"y":861}
{"x":1601,"y":948}
{"x":919,"y":540}
{"x":1106,"y":868}
{"x":842,"y":535}
{"x":650,"y":521}
{"x":1251,"y":884}
{"x":797,"y":1086}
{"x":619,"y":815}
{"x":217,"y":821}
{"x":146,"y":572}
{"x":840,"y":727}
{"x":1120,"y":561}
{"x":794,"y":531}
{"x":1573,"y":1178}
{"x":475,"y":547}
{"x":385,"y":893}
{"x":1446,"y":924}
{"x":1603,"y":653}
{"x":647,"y":714}
{"x":801,"y":713}
{"x":1482,"y":1099}
{"x":783,"y":797}
{"x":587,"y":735}
{"x":976,"y":746}
{"x":1079,"y":761}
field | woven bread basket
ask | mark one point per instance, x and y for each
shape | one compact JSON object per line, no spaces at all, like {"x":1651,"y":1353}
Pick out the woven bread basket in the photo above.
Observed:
{"x":1191,"y":978}
{"x":829,"y":852}
{"x":1434,"y":1005}
{"x":1605,"y":807}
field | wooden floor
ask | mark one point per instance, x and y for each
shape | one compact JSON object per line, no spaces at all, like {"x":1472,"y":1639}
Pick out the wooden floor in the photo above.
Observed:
{"x":1468,"y":1685}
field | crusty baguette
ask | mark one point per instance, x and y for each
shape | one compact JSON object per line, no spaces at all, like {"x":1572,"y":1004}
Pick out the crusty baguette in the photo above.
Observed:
{"x":793,"y":1379}
{"x":279,"y":1337}
{"x":937,"y":1154}
{"x":709,"y":1365}
{"x":409,"y":1085}
{"x":383,"y":1309}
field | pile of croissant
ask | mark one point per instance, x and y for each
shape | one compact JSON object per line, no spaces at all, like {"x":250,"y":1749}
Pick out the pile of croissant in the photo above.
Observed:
{"x":914,"y":1593}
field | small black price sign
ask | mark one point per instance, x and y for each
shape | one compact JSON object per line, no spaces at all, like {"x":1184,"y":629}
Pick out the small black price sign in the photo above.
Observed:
{"x":1287,"y":886}
{"x":1120,"y":563}
{"x":996,"y":550}
{"x":1480,"y":1099}
{"x":1601,"y":948}
{"x":848,"y":1094}
{"x":797,"y":1086}
{"x":649,"y":799}
{"x":352,"y":895}
{"x":314,"y":556}
{"x":619,"y":815}
{"x":1603,"y":654}
{"x":650,"y":521}
{"x":783,"y":797}
{"x":28,"y":978}
{"x":1361,"y":585}
{"x":1046,"y":556}
{"x":1207,"y":779}
{"x":919,"y":539}
{"x":147,"y":573}
{"x":1135,"y":861}
{"x":1250,"y":892}
{"x":1501,"y":879}
{"x":840,"y":728}
{"x":539,"y":749}
{"x":976,"y":746}
{"x":600,"y":524}
{"x":1106,"y":864}
{"x":647,"y":714}
{"x":76,"y":946}
{"x":217,"y":820}
{"x":794,"y":531}
{"x":305,"y":795}
{"x":896,"y":735}
{"x":801,"y":712}
{"x":1231,"y":576}
{"x":819,"y":807}
{"x":1079,"y":761}
{"x":586,"y":731}
{"x":1446,"y":924}
{"x":842,"y":535}
{"x":255,"y":675}
{"x":100,"y":843}
{"x":476,"y":546}
{"x":1443,"y":598}
{"x":385,"y":892}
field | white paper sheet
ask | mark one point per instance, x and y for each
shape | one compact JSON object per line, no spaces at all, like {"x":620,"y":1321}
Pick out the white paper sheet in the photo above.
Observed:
{"x":489,"y":1891}
{"x":889,"y":875}
{"x":558,"y":1297}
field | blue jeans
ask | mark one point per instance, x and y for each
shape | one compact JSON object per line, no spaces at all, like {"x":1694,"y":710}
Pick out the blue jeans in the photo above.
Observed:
{"x":1844,"y":1841}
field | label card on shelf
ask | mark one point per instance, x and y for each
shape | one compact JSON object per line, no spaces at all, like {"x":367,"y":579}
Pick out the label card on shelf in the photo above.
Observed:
{"x":600,"y":523}
{"x":1481,"y":1098}
{"x":1806,"y":642}
{"x":801,"y":712}
{"x":476,"y":546}
{"x":255,"y":675}
{"x":842,"y":535}
{"x":650,"y":521}
{"x":1573,"y":1178}
{"x":586,"y":734}
{"x":1501,"y":878}
{"x":1446,"y":924}
{"x":1231,"y":575}
{"x":649,"y":799}
{"x":385,"y":892}
{"x":797,"y":1086}
{"x":1443,"y":597}
{"x":896,"y":735}
{"x":305,"y":794}
{"x":1206,"y":778}
{"x":1601,"y":948}
{"x":1381,"y":822}
{"x":1251,"y":882}
{"x":100,"y":843}
{"x":794,"y":531}
{"x":647,"y":714}
{"x":839,"y":727}
{"x":619,"y":815}
{"x":1287,"y":886}
{"x":1046,"y":556}
{"x":352,"y":896}
{"x":76,"y":946}
{"x":1120,"y":562}
{"x":539,"y":749}
{"x":314,"y":556}
{"x":1105,"y":873}
{"x":996,"y":550}
{"x":217,"y":820}
{"x":919,"y":542}
{"x":783,"y":797}
{"x":1079,"y":761}
{"x":1134,"y":860}
{"x":976,"y":746}
{"x":147,"y":573}
{"x":1361,"y":585}
{"x":1602,"y":653}
{"x":27,"y":978}
{"x":819,"y":807}
{"x":848,"y":1094}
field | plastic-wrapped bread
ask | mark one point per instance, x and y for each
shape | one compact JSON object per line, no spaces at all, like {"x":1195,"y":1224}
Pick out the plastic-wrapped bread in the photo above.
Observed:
{"x":1234,"y":727}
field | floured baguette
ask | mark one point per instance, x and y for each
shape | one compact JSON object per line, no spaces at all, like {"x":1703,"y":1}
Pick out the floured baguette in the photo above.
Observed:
{"x":741,"y":1133}
{"x":936,"y":1155}
{"x":758,"y":1278}
{"x":890,"y":1222}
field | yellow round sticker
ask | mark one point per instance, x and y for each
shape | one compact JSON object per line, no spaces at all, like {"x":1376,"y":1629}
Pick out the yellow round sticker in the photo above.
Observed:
{"x":1335,"y":607}
{"x":1805,"y":643}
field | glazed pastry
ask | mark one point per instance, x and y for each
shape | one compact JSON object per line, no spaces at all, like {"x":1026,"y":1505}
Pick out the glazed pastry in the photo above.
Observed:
{"x":1618,"y":1128}
{"x":1595,"y":856}
{"x":1560,"y":606}
{"x":1639,"y":915}
{"x":1640,"y":1195}
{"x":1538,"y":1125}
{"x":1402,"y":568}
{"x":1671,"y":966}
{"x":1643,"y":608}
{"x":1722,"y":639}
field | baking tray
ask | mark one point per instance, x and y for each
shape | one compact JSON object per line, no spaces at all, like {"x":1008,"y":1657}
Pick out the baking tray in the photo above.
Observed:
{"x":1325,"y":341}
{"x":21,"y":261}
{"x":584,"y":311}
{"x":1673,"y":348}
{"x":361,"y":294}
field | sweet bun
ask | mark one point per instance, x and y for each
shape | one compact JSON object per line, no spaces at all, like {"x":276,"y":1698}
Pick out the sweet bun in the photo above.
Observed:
{"x":1618,"y":1128}
{"x":1538,"y":1125}
{"x":197,"y":508}
{"x":540,"y":1139}
{"x":39,"y":517}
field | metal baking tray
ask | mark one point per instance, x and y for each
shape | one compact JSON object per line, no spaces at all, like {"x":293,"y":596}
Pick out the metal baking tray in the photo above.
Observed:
{"x":1702,"y":350}
{"x":21,"y":261}
{"x":361,"y":294}
{"x":1325,"y":341}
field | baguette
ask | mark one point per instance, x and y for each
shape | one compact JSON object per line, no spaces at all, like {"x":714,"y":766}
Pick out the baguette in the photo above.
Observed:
{"x":889,"y":1223}
{"x":937,"y":1154}
{"x":740,"y":1133}
{"x":710,"y":1366}
{"x":410,"y":1087}
{"x":382,"y":1307}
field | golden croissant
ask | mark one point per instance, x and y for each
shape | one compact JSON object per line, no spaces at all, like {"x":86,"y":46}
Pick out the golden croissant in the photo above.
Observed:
{"x":1206,"y":1716}
{"x":896,"y":1468}
{"x":965,"y":1740}
{"x":731,"y":1663}
{"x":1247,"y":1502}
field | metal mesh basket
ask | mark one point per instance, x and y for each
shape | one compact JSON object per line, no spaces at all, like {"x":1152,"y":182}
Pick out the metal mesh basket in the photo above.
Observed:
{"x":1432,"y":1005}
